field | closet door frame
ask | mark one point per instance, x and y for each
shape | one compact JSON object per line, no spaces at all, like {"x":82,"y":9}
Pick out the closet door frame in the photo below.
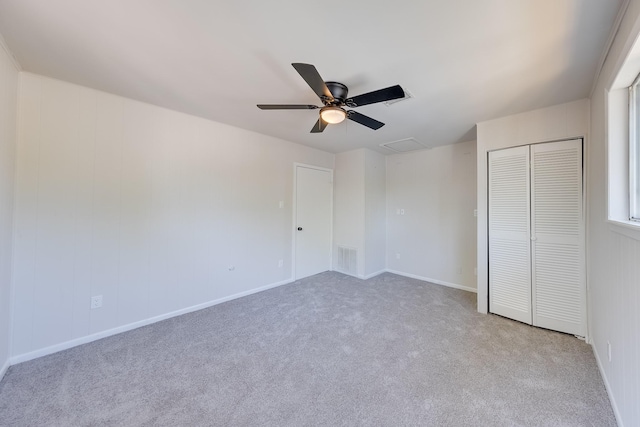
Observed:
{"x":585,"y":236}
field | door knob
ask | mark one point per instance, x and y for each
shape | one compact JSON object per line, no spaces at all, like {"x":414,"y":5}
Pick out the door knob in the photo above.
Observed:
{"x":299,"y":228}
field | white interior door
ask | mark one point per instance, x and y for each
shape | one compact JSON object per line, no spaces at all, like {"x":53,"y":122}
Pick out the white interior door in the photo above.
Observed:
{"x":313,"y":213}
{"x":559,"y":300}
{"x":509,"y":234}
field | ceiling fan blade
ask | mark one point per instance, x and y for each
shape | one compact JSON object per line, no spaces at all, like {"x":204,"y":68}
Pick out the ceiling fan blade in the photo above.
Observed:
{"x":319,"y":126}
{"x":286,"y":107}
{"x":381,"y":95}
{"x":310,"y":75}
{"x":364,"y":120}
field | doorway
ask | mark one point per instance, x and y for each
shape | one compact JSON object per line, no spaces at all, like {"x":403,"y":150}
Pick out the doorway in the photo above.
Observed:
{"x":313,"y":213}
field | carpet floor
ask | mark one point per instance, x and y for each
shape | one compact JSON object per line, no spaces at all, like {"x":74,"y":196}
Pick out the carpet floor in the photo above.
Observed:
{"x":327,"y":350}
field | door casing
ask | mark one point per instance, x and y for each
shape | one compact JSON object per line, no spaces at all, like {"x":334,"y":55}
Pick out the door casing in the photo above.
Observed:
{"x":294,"y":224}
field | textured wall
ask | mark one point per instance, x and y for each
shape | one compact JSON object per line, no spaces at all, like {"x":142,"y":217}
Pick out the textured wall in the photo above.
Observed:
{"x":144,"y":206}
{"x":436,"y":236}
{"x":359,"y":210}
{"x":613,"y":255}
{"x":348,"y":213}
{"x":8,"y":106}
{"x":375,"y":212}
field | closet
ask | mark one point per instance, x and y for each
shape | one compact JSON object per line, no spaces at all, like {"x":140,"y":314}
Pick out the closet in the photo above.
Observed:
{"x":536,"y":235}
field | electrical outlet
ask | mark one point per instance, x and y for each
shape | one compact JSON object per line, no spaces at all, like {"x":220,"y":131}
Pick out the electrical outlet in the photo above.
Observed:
{"x":401,"y":211}
{"x":232,"y":267}
{"x":280,"y":263}
{"x":609,"y":350}
{"x":281,"y":204}
{"x":96,"y":301}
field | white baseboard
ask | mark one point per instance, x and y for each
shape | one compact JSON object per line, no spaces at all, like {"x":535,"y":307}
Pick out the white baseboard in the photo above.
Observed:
{"x":99,"y":335}
{"x":616,"y":412}
{"x":360,"y":276}
{"x":4,"y":369}
{"x":437,"y":282}
{"x":369,"y":276}
{"x":347,"y":274}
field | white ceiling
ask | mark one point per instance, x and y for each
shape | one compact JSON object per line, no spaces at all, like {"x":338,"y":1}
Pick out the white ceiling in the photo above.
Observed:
{"x":464,"y":61}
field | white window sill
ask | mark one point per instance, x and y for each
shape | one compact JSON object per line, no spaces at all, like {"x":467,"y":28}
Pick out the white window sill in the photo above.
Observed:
{"x":626,"y":228}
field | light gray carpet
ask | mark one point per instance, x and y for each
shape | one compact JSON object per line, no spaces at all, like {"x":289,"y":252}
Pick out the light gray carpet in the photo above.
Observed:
{"x":327,"y":350}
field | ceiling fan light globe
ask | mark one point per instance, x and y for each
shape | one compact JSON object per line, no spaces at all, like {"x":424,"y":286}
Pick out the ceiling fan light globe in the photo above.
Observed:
{"x":333,"y":115}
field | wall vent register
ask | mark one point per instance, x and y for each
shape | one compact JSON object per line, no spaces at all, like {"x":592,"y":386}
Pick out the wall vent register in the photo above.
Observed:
{"x":347,"y":260}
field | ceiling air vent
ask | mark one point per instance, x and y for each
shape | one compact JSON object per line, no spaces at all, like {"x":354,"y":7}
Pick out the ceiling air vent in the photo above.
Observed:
{"x":407,"y":95}
{"x":405,"y":145}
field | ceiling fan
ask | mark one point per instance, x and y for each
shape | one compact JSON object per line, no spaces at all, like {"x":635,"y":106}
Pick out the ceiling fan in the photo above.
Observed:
{"x":334,"y":97}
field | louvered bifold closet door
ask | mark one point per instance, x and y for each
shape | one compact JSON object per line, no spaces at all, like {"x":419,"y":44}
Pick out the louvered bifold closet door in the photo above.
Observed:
{"x":509,"y":234}
{"x":558,"y":237}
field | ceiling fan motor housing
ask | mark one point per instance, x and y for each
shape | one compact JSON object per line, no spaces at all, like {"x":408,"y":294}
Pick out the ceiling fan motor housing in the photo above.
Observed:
{"x":339,"y":92}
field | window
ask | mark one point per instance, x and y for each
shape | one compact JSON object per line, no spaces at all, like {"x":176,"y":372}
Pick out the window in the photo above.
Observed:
{"x":622,"y":139}
{"x":634,"y":150}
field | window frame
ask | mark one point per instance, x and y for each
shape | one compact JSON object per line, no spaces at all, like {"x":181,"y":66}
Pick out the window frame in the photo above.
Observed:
{"x":634,"y":150}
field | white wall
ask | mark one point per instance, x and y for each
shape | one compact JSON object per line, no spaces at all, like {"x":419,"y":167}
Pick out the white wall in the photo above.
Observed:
{"x":375,"y":206}
{"x":8,"y":109}
{"x":436,"y":236}
{"x":348,"y":207}
{"x":144,"y":206}
{"x":613,"y":255}
{"x":547,"y":124}
{"x":359,"y":209}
